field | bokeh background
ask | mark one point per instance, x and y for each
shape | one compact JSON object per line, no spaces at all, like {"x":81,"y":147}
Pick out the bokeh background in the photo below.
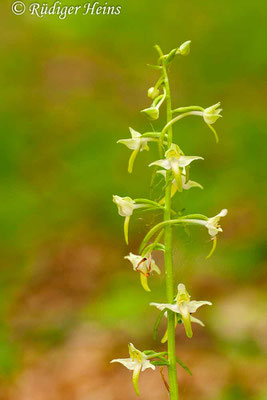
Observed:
{"x":69,"y":302}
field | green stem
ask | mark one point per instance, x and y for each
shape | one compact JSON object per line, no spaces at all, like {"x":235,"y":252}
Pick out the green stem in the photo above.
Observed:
{"x":190,"y":108}
{"x":168,"y":256}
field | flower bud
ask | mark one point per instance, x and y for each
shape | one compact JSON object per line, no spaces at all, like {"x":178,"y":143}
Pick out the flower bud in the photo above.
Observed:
{"x":152,"y":113}
{"x":152,"y":92}
{"x":170,"y":56}
{"x":184,"y":49}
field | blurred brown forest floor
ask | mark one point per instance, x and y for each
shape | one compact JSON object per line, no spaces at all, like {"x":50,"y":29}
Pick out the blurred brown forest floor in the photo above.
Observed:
{"x":66,"y":357}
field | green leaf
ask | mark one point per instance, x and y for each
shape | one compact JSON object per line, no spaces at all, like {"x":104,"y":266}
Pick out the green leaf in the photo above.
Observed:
{"x":180,"y":362}
{"x":156,"y":326}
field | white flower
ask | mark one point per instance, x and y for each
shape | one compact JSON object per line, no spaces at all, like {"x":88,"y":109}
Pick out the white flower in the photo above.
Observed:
{"x":184,"y":307}
{"x":176,"y":162}
{"x":211,"y":114}
{"x":136,"y":143}
{"x":126,"y":207}
{"x":137,"y":363}
{"x":145,"y":265}
{"x":212,"y":224}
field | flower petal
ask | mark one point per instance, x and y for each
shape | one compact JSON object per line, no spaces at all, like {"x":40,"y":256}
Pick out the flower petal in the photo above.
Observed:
{"x":132,"y":144}
{"x":147,"y":364}
{"x":134,"y":133}
{"x":127,"y":362}
{"x":196,"y":321}
{"x":172,"y":307}
{"x":186,"y":160}
{"x":161,"y":163}
{"x":190,"y":184}
{"x":194,"y":305}
{"x":136,"y":374}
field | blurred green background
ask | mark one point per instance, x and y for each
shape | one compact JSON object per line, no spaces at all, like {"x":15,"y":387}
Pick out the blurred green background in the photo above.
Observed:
{"x":69,"y":302}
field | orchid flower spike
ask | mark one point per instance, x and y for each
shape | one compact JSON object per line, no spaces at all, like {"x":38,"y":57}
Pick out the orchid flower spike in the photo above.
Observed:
{"x":187,"y":184}
{"x":126,"y":207}
{"x":137,"y":363}
{"x":136,"y":143}
{"x":175,"y":162}
{"x":185,"y":307}
{"x":145,"y":265}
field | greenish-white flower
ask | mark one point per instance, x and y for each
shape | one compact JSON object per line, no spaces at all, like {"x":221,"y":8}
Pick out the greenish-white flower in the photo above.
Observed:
{"x":126,"y":207}
{"x":175,"y":162}
{"x":145,"y":265}
{"x":183,"y":306}
{"x":151,"y":112}
{"x":184,"y":49}
{"x":137,"y":363}
{"x":211,"y":114}
{"x":136,"y":143}
{"x":212,"y":224}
